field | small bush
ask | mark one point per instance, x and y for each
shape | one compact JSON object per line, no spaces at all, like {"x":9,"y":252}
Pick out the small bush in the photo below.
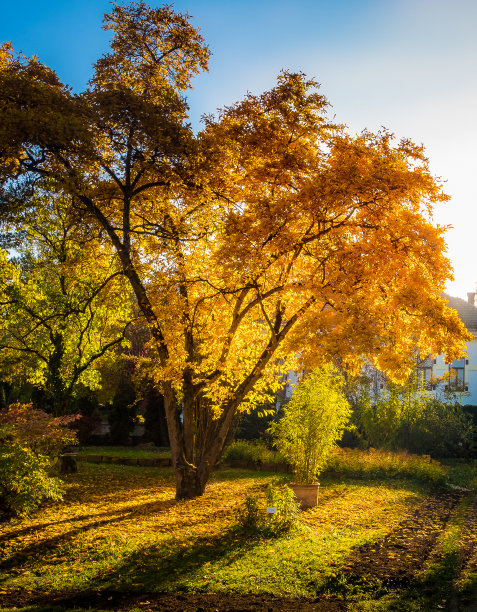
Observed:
{"x":253,"y":519}
{"x":384,"y":464}
{"x":24,"y":480}
{"x":250,"y":515}
{"x":286,"y":515}
{"x":30,"y":440}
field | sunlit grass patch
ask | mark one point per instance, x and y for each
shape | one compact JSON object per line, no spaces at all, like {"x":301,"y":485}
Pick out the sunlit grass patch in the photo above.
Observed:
{"x":244,"y":450}
{"x":385,"y":464}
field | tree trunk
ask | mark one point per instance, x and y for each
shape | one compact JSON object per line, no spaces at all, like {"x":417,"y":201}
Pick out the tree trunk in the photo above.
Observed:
{"x":193,"y":457}
{"x":190,"y":481}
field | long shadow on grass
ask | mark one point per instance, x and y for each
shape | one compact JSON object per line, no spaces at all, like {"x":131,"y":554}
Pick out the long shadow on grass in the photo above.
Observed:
{"x":89,"y":492}
{"x":98,"y":477}
{"x":144,"y":509}
{"x":158,"y":568}
{"x":49,"y":545}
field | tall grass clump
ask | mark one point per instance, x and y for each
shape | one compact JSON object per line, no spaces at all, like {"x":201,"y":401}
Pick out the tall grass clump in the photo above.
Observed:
{"x":281,"y":517}
{"x":312,"y":422}
{"x":386,"y":464}
{"x":253,"y":452}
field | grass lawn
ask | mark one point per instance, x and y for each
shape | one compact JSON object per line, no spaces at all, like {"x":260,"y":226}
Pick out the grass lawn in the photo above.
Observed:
{"x":126,"y":452}
{"x":120,"y":528}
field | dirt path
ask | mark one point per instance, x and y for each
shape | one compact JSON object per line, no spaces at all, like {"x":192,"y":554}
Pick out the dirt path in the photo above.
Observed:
{"x":398,"y":557}
{"x":187,"y":602}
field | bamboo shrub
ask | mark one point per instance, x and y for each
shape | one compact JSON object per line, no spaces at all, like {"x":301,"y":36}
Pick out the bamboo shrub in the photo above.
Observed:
{"x":312,"y":422}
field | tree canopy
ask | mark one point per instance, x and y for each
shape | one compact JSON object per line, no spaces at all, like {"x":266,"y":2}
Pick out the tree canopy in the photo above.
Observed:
{"x":271,"y":239}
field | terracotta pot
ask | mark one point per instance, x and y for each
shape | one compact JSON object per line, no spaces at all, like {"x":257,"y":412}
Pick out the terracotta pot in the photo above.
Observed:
{"x":306,"y":494}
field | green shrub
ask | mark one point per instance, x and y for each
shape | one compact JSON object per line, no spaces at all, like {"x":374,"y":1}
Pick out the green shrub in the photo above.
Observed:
{"x":407,"y":417}
{"x":249,"y":515}
{"x":286,"y":515}
{"x":313,"y":421}
{"x":442,"y":431}
{"x":24,"y":480}
{"x":30,"y":441}
{"x":254,"y":520}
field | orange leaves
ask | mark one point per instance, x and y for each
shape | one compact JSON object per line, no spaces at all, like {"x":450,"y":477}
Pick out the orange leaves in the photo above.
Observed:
{"x":270,"y":234}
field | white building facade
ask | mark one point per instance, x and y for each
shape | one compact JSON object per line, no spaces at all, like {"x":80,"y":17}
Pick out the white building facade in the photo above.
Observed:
{"x":461,"y":374}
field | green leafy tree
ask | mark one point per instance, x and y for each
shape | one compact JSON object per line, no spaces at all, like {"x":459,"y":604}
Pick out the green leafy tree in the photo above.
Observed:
{"x":386,"y":417}
{"x":442,"y":430}
{"x":410,"y":417}
{"x":313,"y":421}
{"x":63,"y":305}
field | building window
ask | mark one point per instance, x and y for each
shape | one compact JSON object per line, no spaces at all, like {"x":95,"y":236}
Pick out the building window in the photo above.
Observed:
{"x":426,"y":377}
{"x":425,"y":374}
{"x":457,"y":377}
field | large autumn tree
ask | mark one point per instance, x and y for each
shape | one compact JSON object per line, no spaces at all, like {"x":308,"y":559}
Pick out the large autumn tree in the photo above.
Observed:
{"x":272,"y":239}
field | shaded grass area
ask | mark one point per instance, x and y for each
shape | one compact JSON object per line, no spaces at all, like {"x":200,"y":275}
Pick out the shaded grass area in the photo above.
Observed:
{"x":462,"y":473}
{"x":126,"y":452}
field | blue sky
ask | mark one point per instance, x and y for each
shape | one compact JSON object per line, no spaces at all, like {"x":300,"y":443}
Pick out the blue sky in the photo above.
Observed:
{"x":409,"y":65}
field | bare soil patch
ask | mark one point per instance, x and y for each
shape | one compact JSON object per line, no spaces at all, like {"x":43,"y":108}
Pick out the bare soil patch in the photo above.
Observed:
{"x":176,"y":602}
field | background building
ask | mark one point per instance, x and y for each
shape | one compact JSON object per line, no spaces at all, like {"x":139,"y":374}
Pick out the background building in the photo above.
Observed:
{"x":460,"y":376}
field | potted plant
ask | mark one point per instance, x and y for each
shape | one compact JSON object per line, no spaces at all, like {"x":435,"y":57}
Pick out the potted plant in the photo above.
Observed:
{"x":312,"y":422}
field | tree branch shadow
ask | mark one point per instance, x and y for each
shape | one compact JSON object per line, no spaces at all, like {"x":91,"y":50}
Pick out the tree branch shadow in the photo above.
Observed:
{"x":26,"y":556}
{"x":157,"y":569}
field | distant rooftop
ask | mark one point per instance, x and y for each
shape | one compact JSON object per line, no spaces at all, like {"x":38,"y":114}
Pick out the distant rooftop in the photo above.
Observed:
{"x":466,"y":309}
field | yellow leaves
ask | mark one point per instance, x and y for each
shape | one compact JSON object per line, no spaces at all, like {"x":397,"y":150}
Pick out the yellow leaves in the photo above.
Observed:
{"x":150,"y":47}
{"x":6,"y":54}
{"x":272,"y":233}
{"x":115,"y":521}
